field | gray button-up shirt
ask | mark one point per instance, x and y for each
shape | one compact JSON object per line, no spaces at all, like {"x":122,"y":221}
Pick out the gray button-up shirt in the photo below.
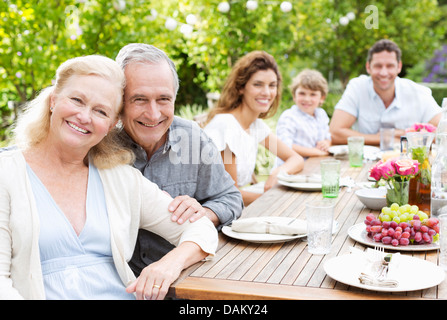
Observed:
{"x":187,"y":164}
{"x":190,"y":164}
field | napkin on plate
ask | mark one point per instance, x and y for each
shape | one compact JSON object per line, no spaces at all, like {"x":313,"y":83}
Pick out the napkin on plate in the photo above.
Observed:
{"x":341,"y":153}
{"x":370,"y":280}
{"x":300,"y":178}
{"x":257,"y":225}
{"x":373,"y":265}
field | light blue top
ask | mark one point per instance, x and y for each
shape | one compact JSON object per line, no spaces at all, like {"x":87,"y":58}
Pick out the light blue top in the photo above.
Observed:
{"x":77,"y":267}
{"x":295,"y":126}
{"x":412,"y":103}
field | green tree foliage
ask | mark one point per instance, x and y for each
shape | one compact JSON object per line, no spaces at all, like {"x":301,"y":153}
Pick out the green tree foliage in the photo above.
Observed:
{"x":330,"y":35}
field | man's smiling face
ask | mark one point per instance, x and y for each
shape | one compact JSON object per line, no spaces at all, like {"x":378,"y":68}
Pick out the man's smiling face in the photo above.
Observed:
{"x":383,"y":69}
{"x":149,"y":99}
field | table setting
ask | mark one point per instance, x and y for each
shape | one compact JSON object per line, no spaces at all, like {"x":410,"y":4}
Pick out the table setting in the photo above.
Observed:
{"x":374,"y":269}
{"x":311,"y":182}
{"x":269,"y":229}
{"x":370,"y":153}
{"x":290,"y":269}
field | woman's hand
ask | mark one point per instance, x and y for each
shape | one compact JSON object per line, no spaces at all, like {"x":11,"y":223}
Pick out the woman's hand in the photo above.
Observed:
{"x":154,"y":281}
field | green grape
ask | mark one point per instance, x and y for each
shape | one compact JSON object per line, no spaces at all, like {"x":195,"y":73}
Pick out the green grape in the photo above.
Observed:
{"x":393,"y":214}
{"x":422,"y":215}
{"x":396,"y":219}
{"x":386,"y":210}
{"x":406,"y":207}
{"x":414,"y":209}
{"x":394,"y":206}
{"x":403,"y":217}
{"x":386,"y":217}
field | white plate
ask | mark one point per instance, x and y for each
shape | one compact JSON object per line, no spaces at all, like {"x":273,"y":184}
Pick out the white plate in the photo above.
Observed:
{"x":359,"y":234}
{"x":370,"y":152}
{"x":347,"y":268}
{"x":304,"y":186}
{"x":265,"y":237}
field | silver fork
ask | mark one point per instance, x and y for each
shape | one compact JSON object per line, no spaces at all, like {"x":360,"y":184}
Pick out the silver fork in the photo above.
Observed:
{"x":378,"y":253}
{"x":379,"y":256}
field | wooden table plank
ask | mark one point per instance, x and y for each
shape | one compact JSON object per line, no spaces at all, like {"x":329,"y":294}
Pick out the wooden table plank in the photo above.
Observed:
{"x":218,"y":289}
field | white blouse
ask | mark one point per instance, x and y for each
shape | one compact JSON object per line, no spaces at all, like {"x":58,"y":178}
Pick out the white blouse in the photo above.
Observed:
{"x":227,"y":133}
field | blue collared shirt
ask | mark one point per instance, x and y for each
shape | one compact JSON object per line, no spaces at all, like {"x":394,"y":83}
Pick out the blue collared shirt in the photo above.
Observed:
{"x":297,"y":127}
{"x":413,"y":103}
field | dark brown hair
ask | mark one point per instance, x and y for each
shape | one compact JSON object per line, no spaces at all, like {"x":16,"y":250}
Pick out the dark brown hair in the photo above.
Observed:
{"x":384,"y":45}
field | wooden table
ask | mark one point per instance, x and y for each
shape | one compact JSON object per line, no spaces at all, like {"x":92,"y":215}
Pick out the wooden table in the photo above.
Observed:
{"x":244,"y":270}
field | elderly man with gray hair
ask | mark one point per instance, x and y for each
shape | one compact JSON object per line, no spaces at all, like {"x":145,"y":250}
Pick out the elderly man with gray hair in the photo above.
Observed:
{"x":172,"y":152}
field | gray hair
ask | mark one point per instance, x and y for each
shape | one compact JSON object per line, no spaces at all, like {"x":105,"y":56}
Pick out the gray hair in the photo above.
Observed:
{"x":145,"y":53}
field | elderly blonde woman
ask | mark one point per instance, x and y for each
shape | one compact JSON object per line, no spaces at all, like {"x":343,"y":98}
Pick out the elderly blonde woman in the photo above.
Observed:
{"x":71,"y":207}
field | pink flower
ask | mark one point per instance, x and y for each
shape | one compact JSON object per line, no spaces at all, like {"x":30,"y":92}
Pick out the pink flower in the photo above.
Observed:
{"x":387,"y":169}
{"x":375,"y":173}
{"x":421,"y":127}
{"x":393,"y":168}
{"x":406,"y":167}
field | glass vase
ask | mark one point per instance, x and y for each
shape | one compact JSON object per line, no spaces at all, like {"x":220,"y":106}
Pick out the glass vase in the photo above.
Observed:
{"x":419,"y":144}
{"x":398,"y":192}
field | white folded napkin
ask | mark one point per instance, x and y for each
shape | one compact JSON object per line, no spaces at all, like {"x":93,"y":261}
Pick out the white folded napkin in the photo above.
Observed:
{"x":372,"y":281}
{"x":256,"y":225}
{"x":341,"y":153}
{"x":300,"y":178}
{"x":373,"y":265}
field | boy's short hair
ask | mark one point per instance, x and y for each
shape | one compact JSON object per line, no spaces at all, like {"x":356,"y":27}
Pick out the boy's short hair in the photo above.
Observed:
{"x":312,"y":80}
{"x":384,"y":45}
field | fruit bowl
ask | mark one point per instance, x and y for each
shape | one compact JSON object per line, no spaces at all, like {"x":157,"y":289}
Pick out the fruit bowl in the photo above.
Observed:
{"x":372,"y":198}
{"x":402,"y":226}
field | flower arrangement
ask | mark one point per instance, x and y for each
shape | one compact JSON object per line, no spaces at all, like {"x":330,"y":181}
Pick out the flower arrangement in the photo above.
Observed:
{"x":397,"y":174}
{"x":421,"y":127}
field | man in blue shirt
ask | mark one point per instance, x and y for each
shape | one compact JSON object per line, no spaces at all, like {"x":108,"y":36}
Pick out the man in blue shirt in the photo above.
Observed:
{"x":172,"y":152}
{"x":382,"y":99}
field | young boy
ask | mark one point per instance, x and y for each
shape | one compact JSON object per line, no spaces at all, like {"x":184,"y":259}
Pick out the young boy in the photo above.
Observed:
{"x":305,"y":126}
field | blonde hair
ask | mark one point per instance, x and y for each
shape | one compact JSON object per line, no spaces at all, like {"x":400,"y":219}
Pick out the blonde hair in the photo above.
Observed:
{"x":243,"y":70}
{"x":33,"y":125}
{"x":310,"y":79}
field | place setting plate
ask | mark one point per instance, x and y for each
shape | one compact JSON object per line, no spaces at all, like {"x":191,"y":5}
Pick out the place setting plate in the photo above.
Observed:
{"x":303,"y":186}
{"x":268,"y":237}
{"x":300,"y":182}
{"x":347,"y":269}
{"x":358,"y":233}
{"x":370,"y":152}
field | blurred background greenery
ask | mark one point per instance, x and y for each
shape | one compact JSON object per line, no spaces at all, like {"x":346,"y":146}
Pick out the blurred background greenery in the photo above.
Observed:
{"x":206,"y":37}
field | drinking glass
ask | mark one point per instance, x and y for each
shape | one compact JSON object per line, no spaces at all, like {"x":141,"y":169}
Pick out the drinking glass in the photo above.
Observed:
{"x":355,"y":146}
{"x":330,"y":178}
{"x":319,"y":217}
{"x":443,"y":241}
{"x":386,"y":139}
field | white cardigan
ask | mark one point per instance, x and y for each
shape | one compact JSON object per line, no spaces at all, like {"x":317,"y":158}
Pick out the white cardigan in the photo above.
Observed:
{"x":133,"y":202}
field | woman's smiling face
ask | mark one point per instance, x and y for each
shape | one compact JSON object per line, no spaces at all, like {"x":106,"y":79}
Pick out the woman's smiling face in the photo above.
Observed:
{"x":84,"y":111}
{"x":260,"y":91}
